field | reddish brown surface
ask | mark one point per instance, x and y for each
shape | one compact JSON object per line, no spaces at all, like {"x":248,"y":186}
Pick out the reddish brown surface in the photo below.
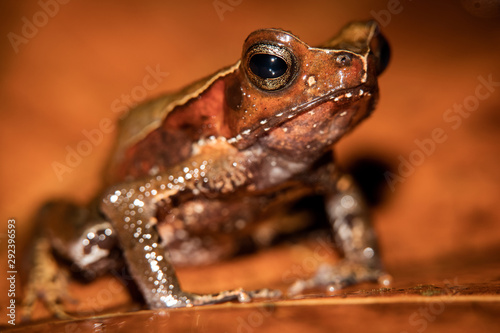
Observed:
{"x":440,"y":223}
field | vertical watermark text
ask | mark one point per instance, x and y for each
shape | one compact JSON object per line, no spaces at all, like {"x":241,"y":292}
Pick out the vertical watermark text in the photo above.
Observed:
{"x":11,"y":270}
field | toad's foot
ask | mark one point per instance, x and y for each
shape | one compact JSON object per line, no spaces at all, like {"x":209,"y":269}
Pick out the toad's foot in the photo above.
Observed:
{"x":186,"y":299}
{"x":240,"y":295}
{"x":335,"y":277}
{"x":46,"y":282}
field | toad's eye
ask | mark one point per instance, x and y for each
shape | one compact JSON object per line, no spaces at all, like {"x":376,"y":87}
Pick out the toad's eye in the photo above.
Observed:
{"x":270,"y":67}
{"x":267,"y":66}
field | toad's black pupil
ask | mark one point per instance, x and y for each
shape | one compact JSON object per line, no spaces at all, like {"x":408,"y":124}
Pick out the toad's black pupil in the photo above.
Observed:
{"x":267,"y":66}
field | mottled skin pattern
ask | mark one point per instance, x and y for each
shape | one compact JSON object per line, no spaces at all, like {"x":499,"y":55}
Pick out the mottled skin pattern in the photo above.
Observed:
{"x":195,"y":172}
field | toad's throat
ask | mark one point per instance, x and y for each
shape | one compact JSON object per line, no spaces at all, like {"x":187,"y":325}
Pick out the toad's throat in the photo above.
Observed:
{"x":346,"y":96}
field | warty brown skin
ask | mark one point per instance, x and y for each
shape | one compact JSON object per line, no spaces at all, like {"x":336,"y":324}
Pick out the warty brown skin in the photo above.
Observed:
{"x":195,"y":172}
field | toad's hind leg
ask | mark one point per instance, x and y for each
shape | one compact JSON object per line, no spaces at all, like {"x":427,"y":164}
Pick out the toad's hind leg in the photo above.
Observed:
{"x":46,"y":282}
{"x":76,"y":234}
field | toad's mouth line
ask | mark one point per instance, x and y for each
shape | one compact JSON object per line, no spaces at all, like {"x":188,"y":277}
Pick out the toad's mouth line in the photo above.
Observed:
{"x":347,"y":95}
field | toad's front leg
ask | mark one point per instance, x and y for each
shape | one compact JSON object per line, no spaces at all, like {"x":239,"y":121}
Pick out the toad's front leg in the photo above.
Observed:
{"x":353,"y":234}
{"x":132,"y":208}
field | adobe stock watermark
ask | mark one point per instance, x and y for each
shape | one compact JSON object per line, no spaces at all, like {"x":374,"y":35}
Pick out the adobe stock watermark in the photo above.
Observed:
{"x":384,"y":16}
{"x":322,"y":251}
{"x":223,"y":6}
{"x":94,"y":305}
{"x":421,"y":318}
{"x":30,"y":28}
{"x":94,"y":137}
{"x":254,"y":320}
{"x":454,"y":117}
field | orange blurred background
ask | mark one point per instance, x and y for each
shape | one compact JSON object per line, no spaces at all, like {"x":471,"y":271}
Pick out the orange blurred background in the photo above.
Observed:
{"x":65,"y":76}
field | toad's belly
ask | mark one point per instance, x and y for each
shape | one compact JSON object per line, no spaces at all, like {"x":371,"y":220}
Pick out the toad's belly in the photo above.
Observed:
{"x":204,"y":230}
